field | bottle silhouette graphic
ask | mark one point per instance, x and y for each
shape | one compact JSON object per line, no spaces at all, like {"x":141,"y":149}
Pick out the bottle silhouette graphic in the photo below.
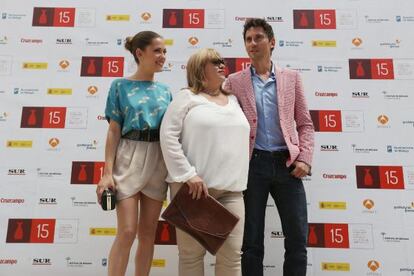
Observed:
{"x":165,"y":233}
{"x":303,"y":21}
{"x":313,"y":239}
{"x":368,"y":181}
{"x":18,"y":234}
{"x":31,"y":121}
{"x":360,"y":72}
{"x":82,"y":176}
{"x":43,"y":17}
{"x":172,"y":21}
{"x":91,"y":67}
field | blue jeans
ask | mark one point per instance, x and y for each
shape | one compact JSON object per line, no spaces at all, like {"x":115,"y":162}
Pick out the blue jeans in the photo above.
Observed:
{"x":268,"y":174}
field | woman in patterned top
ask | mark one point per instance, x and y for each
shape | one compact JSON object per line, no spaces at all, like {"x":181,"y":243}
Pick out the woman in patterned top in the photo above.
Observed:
{"x":134,"y":166}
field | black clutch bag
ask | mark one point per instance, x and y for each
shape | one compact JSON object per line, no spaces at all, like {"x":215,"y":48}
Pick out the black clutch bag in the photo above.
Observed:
{"x":108,"y":200}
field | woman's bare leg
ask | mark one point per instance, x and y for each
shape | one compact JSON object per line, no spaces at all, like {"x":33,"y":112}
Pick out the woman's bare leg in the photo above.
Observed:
{"x":148,"y":220}
{"x":127,"y":216}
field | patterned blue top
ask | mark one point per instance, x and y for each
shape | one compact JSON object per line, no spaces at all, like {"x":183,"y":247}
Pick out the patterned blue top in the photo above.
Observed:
{"x":137,"y":105}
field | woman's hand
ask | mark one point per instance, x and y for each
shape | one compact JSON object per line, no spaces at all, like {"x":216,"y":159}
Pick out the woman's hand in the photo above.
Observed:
{"x":106,"y":182}
{"x":197,"y":187}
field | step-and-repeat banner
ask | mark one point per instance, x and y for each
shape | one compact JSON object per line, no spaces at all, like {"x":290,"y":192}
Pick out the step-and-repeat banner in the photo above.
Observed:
{"x":58,"y":58}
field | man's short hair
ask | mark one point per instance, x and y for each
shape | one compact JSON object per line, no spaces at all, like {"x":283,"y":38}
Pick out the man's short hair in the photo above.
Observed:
{"x":258,"y":22}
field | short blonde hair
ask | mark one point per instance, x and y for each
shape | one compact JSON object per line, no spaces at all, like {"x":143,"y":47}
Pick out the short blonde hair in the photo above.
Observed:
{"x":196,"y":69}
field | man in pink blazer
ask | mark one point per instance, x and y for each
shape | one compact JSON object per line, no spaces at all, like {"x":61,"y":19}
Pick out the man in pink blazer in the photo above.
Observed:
{"x":281,"y":148}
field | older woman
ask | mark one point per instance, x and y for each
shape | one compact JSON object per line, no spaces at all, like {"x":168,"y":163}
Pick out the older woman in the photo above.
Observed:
{"x":205,"y":143}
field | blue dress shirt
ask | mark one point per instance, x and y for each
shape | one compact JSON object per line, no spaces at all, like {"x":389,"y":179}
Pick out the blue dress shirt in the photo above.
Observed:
{"x":269,"y":135}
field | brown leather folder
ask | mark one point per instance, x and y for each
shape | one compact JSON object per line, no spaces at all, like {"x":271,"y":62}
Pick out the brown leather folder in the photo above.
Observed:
{"x":205,"y":219}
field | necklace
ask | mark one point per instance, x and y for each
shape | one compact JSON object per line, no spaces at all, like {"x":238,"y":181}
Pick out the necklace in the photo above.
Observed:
{"x":214,"y":93}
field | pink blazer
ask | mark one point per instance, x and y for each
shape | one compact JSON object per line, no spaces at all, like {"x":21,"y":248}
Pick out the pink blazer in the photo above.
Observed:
{"x":295,"y":120}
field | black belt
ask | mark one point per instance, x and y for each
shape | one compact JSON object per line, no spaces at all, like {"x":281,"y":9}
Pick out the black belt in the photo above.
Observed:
{"x":271,"y":154}
{"x":148,"y":135}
